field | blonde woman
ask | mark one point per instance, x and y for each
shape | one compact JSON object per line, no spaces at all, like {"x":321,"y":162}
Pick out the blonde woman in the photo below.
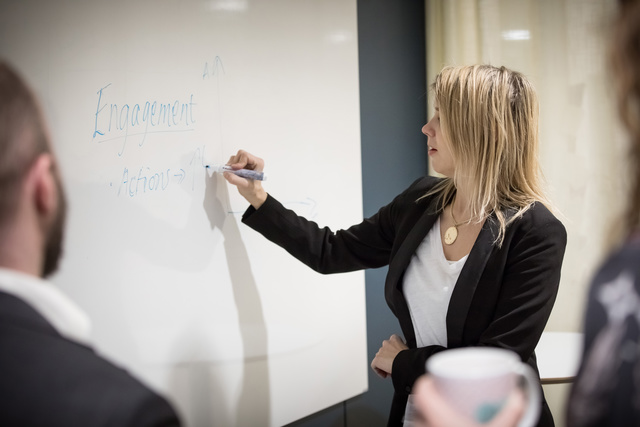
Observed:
{"x":474,"y":258}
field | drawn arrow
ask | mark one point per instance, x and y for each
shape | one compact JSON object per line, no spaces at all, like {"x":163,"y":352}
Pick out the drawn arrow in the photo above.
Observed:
{"x":181,"y":175}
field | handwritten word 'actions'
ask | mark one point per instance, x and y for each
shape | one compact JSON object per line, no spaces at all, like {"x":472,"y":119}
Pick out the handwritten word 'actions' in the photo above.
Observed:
{"x":133,"y":184}
{"x":126,"y":120}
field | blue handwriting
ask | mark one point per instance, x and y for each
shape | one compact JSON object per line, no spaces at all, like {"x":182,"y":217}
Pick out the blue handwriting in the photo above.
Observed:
{"x":119,"y":119}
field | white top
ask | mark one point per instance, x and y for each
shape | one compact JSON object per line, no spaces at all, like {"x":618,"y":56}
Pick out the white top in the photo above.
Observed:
{"x":65,"y":316}
{"x":427,"y":287}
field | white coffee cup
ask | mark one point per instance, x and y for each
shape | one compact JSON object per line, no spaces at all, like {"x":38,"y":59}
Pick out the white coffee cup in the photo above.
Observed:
{"x":477,"y":381}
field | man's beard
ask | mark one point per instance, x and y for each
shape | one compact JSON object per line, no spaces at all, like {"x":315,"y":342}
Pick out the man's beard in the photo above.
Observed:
{"x":55,"y":236}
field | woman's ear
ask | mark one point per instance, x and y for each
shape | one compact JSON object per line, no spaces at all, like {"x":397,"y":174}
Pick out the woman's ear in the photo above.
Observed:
{"x":43,"y":185}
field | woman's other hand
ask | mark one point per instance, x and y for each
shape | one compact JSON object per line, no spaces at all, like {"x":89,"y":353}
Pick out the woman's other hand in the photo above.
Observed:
{"x":249,"y":189}
{"x":383,"y":361}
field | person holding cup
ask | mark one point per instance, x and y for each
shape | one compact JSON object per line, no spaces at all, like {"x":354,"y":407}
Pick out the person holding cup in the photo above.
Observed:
{"x":474,"y":257}
{"x":433,"y":410}
{"x":476,"y":386}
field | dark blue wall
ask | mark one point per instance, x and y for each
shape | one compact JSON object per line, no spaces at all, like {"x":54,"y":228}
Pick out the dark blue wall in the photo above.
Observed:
{"x":391,"y":42}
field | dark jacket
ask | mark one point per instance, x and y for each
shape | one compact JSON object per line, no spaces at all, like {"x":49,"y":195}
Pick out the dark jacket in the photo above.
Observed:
{"x":606,"y":391}
{"x":48,"y":380}
{"x":503,"y":296}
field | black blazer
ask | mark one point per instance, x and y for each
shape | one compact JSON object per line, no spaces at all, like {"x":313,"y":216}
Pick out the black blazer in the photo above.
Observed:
{"x":48,"y":380}
{"x":503,"y":297}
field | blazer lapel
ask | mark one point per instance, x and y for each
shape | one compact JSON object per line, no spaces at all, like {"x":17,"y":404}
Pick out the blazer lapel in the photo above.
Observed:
{"x":468,"y":280}
{"x":402,"y":258}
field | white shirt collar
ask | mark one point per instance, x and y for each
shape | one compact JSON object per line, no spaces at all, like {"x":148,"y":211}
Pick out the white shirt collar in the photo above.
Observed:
{"x":65,"y":316}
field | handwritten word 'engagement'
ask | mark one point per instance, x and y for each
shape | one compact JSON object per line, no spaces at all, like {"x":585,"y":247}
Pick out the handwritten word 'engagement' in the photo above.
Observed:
{"x":152,"y":116}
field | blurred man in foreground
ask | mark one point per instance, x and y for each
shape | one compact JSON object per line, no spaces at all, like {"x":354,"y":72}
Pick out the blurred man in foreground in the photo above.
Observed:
{"x":49,"y":373}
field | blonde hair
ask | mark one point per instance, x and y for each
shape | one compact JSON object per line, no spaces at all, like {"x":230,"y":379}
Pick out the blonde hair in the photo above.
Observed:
{"x":489,"y":116}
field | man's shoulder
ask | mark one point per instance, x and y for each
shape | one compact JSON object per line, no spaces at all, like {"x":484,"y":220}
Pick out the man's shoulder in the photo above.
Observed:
{"x":16,"y":312}
{"x":47,"y":375}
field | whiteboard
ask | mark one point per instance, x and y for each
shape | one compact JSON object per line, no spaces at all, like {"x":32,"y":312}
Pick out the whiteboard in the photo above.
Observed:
{"x":139,"y":97}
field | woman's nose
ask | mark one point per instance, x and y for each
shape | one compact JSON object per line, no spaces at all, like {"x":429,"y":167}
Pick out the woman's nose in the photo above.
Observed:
{"x":426,"y":129}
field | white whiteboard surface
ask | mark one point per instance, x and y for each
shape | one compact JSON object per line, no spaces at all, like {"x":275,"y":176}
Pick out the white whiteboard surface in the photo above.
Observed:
{"x":231,"y":328}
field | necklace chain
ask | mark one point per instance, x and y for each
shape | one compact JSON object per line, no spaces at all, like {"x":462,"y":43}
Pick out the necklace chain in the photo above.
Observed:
{"x":455,"y":223}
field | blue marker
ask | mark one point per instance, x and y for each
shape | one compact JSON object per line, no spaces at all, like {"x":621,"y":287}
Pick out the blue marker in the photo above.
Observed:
{"x":244,"y":173}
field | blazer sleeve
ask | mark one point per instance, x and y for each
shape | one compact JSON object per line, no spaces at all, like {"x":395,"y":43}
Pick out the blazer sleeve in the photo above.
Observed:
{"x":528,"y":284}
{"x":365,"y":245}
{"x":152,"y":411}
{"x":409,"y":365}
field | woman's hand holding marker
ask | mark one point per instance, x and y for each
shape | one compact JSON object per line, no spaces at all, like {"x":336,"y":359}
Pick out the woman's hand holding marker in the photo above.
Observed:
{"x":249,"y":189}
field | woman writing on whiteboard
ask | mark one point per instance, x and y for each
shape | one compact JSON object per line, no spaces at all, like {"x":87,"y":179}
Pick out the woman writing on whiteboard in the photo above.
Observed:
{"x":474,"y":258}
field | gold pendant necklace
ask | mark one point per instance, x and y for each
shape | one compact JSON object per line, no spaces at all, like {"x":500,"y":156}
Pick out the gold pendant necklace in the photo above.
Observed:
{"x":451,"y":234}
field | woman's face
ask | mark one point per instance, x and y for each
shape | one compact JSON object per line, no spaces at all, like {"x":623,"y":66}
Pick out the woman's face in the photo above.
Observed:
{"x":439,"y":148}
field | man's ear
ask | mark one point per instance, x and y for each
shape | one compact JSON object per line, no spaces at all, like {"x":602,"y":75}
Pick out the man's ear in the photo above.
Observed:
{"x":43,"y":184}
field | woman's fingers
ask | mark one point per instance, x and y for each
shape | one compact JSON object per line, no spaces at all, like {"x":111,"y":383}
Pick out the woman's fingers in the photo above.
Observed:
{"x":249,"y":189}
{"x":245,"y":160}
